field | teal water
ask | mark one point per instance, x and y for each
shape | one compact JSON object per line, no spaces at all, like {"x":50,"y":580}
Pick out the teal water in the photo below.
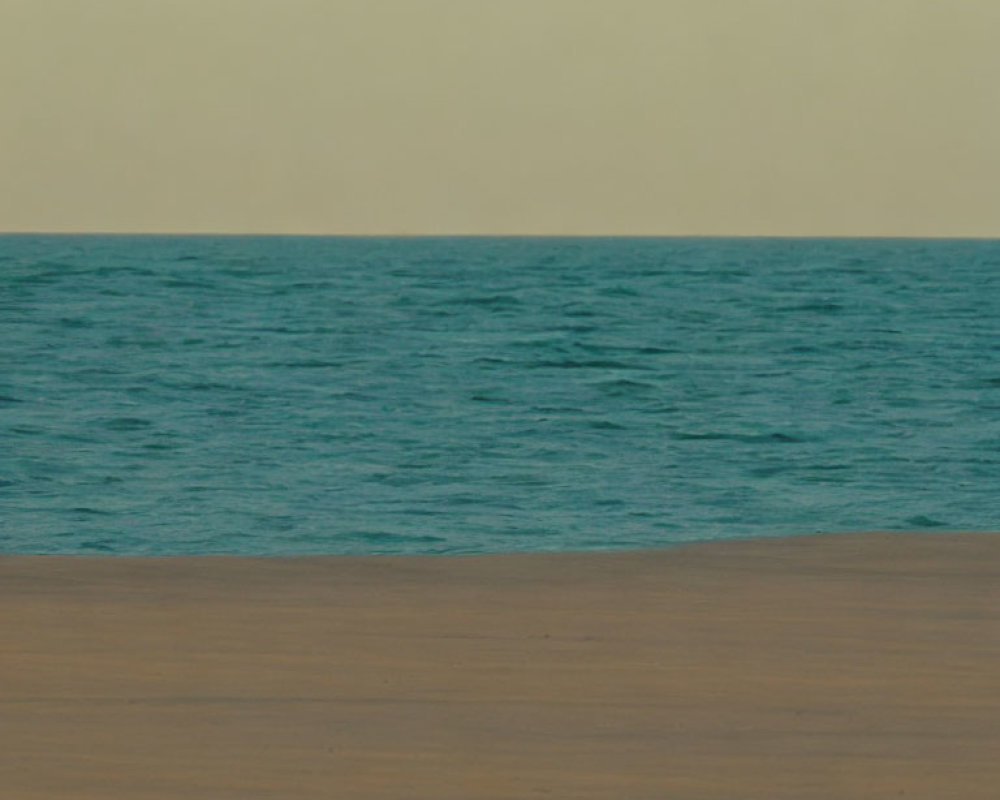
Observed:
{"x":337,"y":395}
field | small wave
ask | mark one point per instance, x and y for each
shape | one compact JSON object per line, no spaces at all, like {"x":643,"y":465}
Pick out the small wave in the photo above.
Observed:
{"x":556,"y":410}
{"x":46,"y":272}
{"x":238,"y":268}
{"x":75,"y":436}
{"x":186,"y":283}
{"x":523,"y":479}
{"x":311,"y":286}
{"x":813,"y":308}
{"x":202,"y":386}
{"x":553,"y":343}
{"x":382,"y":536}
{"x":488,"y":301}
{"x":306,"y":363}
{"x":223,"y":412}
{"x":581,"y":313}
{"x":491,"y":360}
{"x":766,"y":438}
{"x":483,"y":397}
{"x":642,"y":350}
{"x":127,"y":342}
{"x":26,"y":430}
{"x":597,"y":363}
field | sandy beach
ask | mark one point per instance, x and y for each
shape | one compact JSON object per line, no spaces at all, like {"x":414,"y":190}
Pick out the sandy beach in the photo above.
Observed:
{"x":849,"y":666}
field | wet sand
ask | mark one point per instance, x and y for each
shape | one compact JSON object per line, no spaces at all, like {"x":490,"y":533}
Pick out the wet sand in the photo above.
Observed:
{"x":861,"y":666}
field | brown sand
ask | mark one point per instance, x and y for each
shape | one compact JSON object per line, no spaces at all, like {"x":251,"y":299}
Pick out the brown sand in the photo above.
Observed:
{"x":861,"y":666}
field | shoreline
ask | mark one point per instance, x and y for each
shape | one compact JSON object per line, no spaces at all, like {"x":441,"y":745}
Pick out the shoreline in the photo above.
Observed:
{"x":822,"y":666}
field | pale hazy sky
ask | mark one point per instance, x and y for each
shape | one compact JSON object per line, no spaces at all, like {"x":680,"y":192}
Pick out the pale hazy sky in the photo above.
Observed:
{"x":660,"y":117}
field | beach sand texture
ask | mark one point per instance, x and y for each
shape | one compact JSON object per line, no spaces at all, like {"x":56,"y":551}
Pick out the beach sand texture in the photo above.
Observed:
{"x":848,"y":666}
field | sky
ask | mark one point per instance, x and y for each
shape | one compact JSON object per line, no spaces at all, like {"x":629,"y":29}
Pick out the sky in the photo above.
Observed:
{"x":533,"y":117}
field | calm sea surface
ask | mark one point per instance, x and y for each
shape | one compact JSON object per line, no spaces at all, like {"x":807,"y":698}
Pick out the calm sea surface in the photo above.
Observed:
{"x":338,"y":395}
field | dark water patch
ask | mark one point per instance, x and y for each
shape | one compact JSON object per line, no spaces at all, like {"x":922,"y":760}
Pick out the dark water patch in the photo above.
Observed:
{"x":769,"y":470}
{"x":241,"y":268}
{"x":265,"y":329}
{"x":159,"y":447}
{"x":492,"y":361}
{"x":813,"y":308}
{"x":108,"y":546}
{"x":556,"y":344}
{"x":578,"y":328}
{"x":921,"y":521}
{"x":123,"y":271}
{"x":618,"y":291}
{"x":187,"y":283}
{"x":44,"y":272}
{"x":195,"y":385}
{"x":624,"y":387}
{"x":87,"y":511}
{"x":612,"y":502}
{"x":96,"y":375}
{"x":275,"y":523}
{"x":575,"y":311}
{"x":76,"y":437}
{"x":526,"y":480}
{"x":382,"y":537}
{"x":127,"y":424}
{"x":139,"y":342}
{"x":528,"y":532}
{"x":75,"y":322}
{"x":27,"y":430}
{"x":606,"y":425}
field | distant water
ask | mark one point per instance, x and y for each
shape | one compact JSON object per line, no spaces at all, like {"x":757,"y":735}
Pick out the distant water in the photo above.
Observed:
{"x":337,"y":395}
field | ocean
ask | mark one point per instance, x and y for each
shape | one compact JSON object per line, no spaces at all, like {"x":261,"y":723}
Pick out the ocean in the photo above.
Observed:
{"x":297,"y":395}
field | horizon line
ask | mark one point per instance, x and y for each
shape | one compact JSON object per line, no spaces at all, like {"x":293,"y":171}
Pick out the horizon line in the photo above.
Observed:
{"x":280,"y":235}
